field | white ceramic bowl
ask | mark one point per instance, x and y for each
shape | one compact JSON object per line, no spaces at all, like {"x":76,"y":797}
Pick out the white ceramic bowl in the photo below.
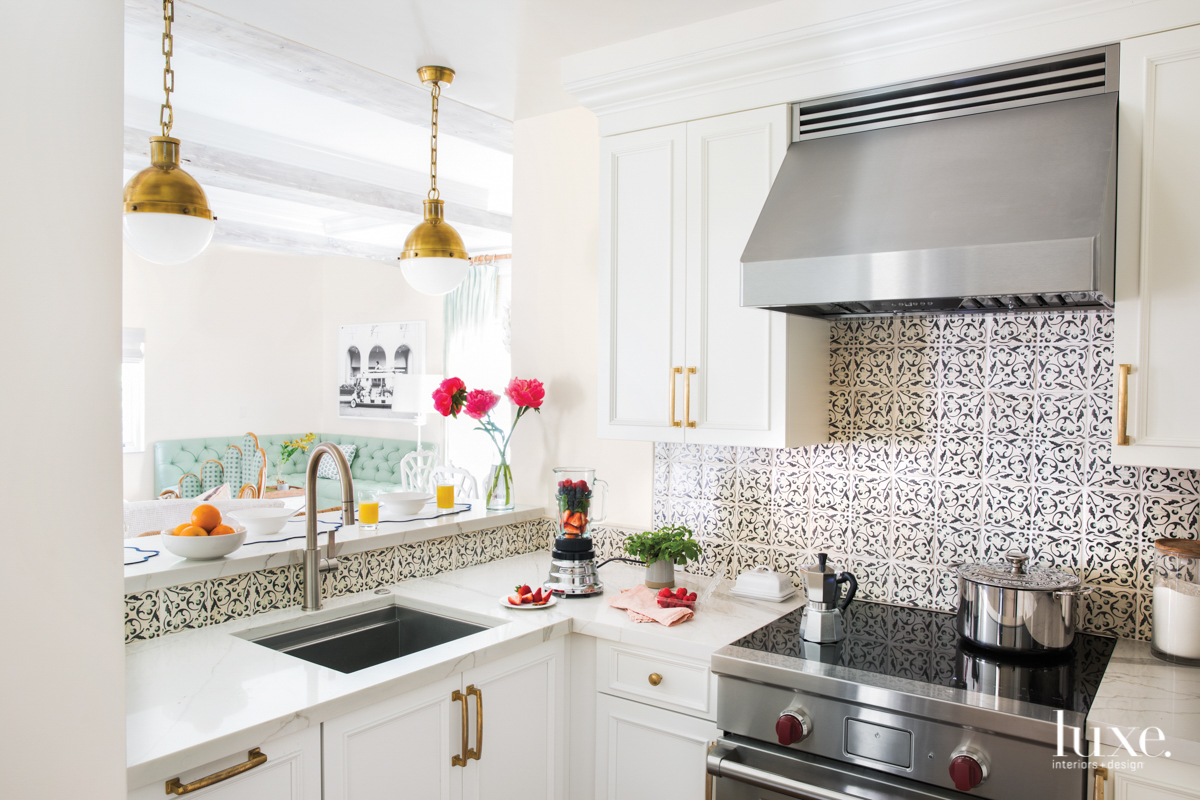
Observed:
{"x":203,"y":548}
{"x":405,"y":504}
{"x":263,"y":521}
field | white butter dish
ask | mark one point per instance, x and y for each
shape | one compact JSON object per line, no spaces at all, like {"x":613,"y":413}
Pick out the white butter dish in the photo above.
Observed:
{"x":763,"y":583}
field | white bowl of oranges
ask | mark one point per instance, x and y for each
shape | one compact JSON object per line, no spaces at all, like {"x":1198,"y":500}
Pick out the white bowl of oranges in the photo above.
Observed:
{"x":205,"y":537}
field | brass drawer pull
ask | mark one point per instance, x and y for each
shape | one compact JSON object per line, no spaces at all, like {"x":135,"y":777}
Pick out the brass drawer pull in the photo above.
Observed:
{"x":674,"y":371}
{"x":477,"y":753}
{"x":254,"y":759}
{"x":687,"y":398}
{"x":655,"y":679}
{"x":460,"y":760}
{"x":1101,"y":774}
{"x":1123,"y":404}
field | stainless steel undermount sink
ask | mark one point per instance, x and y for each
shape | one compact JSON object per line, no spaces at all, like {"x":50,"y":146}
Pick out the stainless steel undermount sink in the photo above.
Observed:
{"x":363,"y":640}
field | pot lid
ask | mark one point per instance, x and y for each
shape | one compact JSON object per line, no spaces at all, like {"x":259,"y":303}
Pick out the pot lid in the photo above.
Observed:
{"x":1012,"y":573}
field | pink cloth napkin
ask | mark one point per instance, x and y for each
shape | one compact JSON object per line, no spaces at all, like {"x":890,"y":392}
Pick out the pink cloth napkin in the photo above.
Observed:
{"x":639,"y":602}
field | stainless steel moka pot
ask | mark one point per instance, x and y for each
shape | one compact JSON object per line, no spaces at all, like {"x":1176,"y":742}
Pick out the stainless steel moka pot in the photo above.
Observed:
{"x":822,"y":619}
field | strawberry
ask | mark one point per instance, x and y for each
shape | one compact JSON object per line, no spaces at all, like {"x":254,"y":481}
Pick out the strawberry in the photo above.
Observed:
{"x":513,"y":601}
{"x":680,"y":593}
{"x":523,"y":590}
{"x":526,"y":599}
{"x":537,"y":595}
{"x":545,"y":599}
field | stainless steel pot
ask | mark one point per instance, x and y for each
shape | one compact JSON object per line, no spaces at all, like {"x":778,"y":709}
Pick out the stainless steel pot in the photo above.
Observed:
{"x":1007,"y":607}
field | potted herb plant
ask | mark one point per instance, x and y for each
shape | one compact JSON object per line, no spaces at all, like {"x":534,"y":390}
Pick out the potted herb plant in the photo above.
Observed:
{"x":661,"y":550}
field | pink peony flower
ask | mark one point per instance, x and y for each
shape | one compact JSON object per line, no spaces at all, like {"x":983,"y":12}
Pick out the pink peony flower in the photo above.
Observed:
{"x":526,"y":392}
{"x":479,"y":402}
{"x":448,"y":398}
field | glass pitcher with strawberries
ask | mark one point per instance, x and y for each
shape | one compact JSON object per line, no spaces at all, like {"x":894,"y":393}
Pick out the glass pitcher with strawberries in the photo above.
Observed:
{"x":577,"y":495}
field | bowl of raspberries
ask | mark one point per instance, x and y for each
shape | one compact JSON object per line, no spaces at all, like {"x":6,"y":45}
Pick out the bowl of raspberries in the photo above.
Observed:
{"x":676,"y":598}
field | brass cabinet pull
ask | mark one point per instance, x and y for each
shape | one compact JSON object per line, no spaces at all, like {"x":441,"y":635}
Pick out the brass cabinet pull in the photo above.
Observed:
{"x":477,"y":753}
{"x":1101,"y":775}
{"x":254,"y":758}
{"x":655,"y":679}
{"x":687,"y":397}
{"x":1123,"y":404}
{"x":674,"y":371}
{"x":460,"y":760}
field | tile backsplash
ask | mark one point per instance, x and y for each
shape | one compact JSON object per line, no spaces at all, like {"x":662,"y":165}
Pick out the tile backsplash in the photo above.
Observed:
{"x":952,"y":438}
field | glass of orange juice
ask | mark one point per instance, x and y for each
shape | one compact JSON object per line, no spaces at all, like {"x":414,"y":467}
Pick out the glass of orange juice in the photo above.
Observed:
{"x":368,"y":510}
{"x":445,"y":494}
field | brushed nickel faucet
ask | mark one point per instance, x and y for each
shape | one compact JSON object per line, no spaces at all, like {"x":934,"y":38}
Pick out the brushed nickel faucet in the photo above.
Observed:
{"x":314,"y":565}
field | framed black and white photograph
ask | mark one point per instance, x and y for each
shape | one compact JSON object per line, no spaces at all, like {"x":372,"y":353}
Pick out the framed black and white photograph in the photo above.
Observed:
{"x":379,"y":369}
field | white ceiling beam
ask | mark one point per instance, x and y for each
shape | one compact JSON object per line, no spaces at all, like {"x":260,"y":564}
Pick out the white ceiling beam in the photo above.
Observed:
{"x":220,"y":38}
{"x":263,"y":237}
{"x":214,"y":166}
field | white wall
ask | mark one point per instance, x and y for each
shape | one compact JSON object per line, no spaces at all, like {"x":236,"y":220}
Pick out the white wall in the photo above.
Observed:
{"x":233,"y":339}
{"x":62,"y":673}
{"x":555,"y":304}
{"x":246,"y":340}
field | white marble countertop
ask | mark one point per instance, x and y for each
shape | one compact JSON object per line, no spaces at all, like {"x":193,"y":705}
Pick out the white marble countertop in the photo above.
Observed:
{"x":166,"y":569}
{"x":1140,"y":691}
{"x":199,"y":695}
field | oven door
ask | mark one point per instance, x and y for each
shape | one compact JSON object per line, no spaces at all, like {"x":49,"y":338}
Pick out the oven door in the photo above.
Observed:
{"x":746,"y":769}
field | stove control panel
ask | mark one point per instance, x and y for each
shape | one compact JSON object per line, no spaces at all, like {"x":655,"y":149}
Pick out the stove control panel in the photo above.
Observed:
{"x":968,"y":768}
{"x":793,"y":726}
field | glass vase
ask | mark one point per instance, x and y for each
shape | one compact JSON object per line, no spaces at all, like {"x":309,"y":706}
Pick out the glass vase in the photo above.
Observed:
{"x":500,"y":492}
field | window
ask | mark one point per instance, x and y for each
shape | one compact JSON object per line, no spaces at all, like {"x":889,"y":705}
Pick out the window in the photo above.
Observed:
{"x":133,"y":390}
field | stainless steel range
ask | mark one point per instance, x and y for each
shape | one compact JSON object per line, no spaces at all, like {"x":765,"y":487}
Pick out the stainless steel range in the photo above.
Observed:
{"x":900,"y":708}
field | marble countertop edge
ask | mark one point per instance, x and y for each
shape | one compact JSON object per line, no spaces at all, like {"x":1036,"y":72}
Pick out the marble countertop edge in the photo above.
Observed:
{"x":166,"y":570}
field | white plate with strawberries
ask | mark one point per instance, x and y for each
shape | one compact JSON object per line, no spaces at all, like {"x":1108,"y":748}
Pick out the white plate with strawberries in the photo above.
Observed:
{"x":525,"y":599}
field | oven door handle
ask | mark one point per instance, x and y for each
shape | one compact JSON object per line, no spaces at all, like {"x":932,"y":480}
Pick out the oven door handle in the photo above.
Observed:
{"x":720,"y":765}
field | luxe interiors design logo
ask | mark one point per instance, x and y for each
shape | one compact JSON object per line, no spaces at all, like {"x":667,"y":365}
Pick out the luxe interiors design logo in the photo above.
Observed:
{"x":1136,"y":750}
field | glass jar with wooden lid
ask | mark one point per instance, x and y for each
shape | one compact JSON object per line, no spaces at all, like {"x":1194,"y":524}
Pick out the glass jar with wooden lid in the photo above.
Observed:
{"x":1175,"y":634}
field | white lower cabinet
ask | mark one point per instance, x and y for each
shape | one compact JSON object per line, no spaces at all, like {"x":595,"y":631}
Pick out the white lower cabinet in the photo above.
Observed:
{"x":1149,"y":779}
{"x":647,"y":753}
{"x":412,"y":745}
{"x":292,"y":771}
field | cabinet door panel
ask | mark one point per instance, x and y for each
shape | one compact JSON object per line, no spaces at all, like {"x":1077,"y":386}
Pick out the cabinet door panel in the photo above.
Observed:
{"x":1158,"y":247}
{"x":739,"y":390}
{"x":523,"y":727}
{"x":646,"y":753}
{"x":398,"y":748}
{"x":292,"y":772}
{"x":642,"y":258}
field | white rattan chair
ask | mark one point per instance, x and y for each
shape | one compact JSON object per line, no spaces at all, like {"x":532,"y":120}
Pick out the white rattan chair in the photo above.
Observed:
{"x":416,"y":471}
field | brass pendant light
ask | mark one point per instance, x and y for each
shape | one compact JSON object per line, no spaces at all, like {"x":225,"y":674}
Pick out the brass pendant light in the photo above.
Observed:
{"x":167,"y":219}
{"x":434,"y":260}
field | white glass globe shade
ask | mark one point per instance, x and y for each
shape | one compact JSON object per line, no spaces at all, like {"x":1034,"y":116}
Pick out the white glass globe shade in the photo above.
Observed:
{"x":167,"y":238}
{"x":434,"y":275}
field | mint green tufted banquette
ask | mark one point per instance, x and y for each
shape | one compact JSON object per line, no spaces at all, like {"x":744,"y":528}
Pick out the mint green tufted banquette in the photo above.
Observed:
{"x":376,"y":463}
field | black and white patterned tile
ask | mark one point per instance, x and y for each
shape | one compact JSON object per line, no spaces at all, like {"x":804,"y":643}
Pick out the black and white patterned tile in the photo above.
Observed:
{"x":954,"y":438}
{"x":141,"y":615}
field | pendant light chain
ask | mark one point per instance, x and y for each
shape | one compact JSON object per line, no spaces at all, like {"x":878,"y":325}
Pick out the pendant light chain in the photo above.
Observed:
{"x":436,"y":92}
{"x":166,"y":115}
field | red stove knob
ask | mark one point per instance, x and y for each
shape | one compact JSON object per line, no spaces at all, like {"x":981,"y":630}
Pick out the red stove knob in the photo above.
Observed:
{"x":792,"y":727}
{"x":966,"y":772}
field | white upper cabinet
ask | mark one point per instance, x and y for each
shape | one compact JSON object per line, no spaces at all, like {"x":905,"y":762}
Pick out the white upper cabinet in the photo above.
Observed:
{"x":1157,"y":316}
{"x":642,"y":251}
{"x":680,"y":359}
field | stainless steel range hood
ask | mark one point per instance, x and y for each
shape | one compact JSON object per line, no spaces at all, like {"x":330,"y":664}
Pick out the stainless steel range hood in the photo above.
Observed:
{"x":991,"y":190}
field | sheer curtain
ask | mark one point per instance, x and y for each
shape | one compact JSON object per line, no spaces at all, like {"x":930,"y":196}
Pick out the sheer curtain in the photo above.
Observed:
{"x":478,"y":351}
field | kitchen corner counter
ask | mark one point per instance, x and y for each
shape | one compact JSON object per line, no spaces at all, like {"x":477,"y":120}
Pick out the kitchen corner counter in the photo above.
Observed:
{"x":196,"y":696}
{"x":1140,"y":691}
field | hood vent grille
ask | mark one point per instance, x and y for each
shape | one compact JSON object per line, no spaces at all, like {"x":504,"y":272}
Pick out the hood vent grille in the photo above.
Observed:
{"x":1076,"y":74}
{"x":948,"y":305}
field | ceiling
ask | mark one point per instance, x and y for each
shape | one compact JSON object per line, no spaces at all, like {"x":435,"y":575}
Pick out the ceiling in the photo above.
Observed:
{"x":506,"y":52}
{"x":307,"y":126}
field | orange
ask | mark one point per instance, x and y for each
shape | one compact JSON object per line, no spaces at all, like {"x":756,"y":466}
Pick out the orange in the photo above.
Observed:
{"x":179,"y":528}
{"x":193,"y":530}
{"x":220,"y":530}
{"x":206,"y":516}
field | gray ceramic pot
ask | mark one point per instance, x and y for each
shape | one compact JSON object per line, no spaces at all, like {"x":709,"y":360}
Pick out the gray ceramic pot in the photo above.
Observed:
{"x":660,"y":574}
{"x":1007,"y":607}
